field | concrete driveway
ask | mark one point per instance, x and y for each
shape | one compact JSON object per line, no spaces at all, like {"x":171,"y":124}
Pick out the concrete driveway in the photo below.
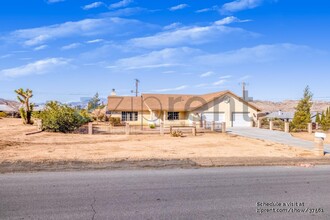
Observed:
{"x":274,"y":136}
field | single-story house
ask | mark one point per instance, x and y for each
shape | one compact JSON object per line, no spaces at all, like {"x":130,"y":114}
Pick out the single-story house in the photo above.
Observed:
{"x":287,"y":116}
{"x":175,"y":109}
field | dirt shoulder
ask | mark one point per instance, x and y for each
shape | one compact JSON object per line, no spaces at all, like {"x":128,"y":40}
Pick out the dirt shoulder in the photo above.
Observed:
{"x":49,"y":151}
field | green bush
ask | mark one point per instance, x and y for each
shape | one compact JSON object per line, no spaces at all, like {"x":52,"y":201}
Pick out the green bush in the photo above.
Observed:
{"x":61,"y":118}
{"x":152,"y":126}
{"x":3,"y":114}
{"x":114,"y":121}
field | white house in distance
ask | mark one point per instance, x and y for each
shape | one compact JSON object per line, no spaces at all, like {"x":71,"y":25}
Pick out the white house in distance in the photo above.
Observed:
{"x":176,"y":109}
{"x":287,"y":116}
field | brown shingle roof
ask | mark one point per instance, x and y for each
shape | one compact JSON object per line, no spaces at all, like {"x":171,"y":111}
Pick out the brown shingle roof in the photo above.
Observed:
{"x":165,"y":102}
{"x":126,"y":103}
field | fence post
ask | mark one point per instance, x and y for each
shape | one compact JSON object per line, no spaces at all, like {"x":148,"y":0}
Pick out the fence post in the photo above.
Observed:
{"x":213,"y":126}
{"x":90,"y":128}
{"x":223,"y":127}
{"x":127,"y":130}
{"x":39,"y":125}
{"x":271,"y":125}
{"x":204,"y":124}
{"x":194,"y":131}
{"x":310,"y":128}
{"x":317,"y":126}
{"x":259,"y":123}
{"x":287,"y":127}
{"x":161,"y":128}
{"x":319,"y":146}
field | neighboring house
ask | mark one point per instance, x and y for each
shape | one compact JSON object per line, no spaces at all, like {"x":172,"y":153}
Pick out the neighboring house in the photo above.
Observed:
{"x":8,"y":109}
{"x":287,"y":116}
{"x":172,"y":109}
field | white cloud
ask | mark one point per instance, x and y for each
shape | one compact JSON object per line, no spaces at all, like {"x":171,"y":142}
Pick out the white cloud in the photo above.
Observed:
{"x":188,"y":36}
{"x":226,"y":77}
{"x":93,"y":5}
{"x":94,"y":41}
{"x":6,"y":56}
{"x":229,"y":20}
{"x":209,"y":73}
{"x":125,"y":12}
{"x":172,"y":89}
{"x":54,"y":1}
{"x":41,"y":47}
{"x":154,"y":66}
{"x":38,"y":67}
{"x":82,"y":28}
{"x":156,"y":59}
{"x":245,"y":77}
{"x":257,"y":54}
{"x":178,"y":7}
{"x":172,"y":26}
{"x":121,"y":4}
{"x":71,"y":46}
{"x":213,"y":8}
{"x":240,"y":5}
{"x":220,"y":82}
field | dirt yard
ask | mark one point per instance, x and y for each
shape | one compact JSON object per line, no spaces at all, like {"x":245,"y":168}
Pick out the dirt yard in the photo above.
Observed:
{"x":309,"y":137}
{"x":15,"y":146}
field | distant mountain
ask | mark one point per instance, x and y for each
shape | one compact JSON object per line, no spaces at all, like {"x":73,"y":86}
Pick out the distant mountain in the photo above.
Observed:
{"x":11,"y":103}
{"x":289,"y":106}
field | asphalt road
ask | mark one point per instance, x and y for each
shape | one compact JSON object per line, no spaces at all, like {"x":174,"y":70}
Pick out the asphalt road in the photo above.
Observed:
{"x":225,"y":193}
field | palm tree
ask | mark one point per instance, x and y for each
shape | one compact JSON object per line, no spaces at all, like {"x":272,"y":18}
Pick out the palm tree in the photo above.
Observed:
{"x":24,"y":98}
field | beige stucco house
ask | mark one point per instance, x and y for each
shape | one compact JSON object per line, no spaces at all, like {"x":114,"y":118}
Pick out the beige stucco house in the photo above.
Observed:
{"x":175,"y":109}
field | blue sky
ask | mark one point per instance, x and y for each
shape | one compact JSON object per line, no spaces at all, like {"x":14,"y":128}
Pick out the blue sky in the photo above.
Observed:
{"x":67,"y":49}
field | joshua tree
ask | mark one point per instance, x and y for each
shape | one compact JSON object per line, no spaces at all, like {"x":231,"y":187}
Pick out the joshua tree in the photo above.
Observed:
{"x":24,"y":98}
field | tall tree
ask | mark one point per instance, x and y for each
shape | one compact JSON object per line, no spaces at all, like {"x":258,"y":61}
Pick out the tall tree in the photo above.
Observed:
{"x":94,"y":102}
{"x":318,"y":119}
{"x":302,"y":115}
{"x":27,"y":108}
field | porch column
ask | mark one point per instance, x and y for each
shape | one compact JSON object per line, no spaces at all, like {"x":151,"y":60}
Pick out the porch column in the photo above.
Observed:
{"x":287,"y":127}
{"x":271,"y":125}
{"x":259,"y":123}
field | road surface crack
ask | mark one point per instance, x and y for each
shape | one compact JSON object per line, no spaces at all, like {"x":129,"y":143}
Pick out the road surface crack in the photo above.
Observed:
{"x":92,"y":205}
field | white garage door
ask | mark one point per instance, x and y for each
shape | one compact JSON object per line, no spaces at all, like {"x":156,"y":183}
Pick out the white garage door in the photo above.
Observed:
{"x":241,"y":120}
{"x":218,"y":117}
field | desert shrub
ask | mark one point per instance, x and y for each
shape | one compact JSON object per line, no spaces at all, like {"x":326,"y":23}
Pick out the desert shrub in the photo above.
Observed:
{"x":278,"y":124}
{"x":3,"y":114}
{"x":61,"y":118}
{"x":152,"y":126}
{"x":177,"y":133}
{"x":264,"y":123}
{"x":114,"y":121}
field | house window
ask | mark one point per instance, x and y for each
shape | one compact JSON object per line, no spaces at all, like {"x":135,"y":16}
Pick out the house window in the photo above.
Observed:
{"x":173,"y":116}
{"x":129,"y":116}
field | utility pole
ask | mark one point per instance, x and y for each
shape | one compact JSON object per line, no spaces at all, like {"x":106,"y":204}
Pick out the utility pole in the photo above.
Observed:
{"x":137,"y":87}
